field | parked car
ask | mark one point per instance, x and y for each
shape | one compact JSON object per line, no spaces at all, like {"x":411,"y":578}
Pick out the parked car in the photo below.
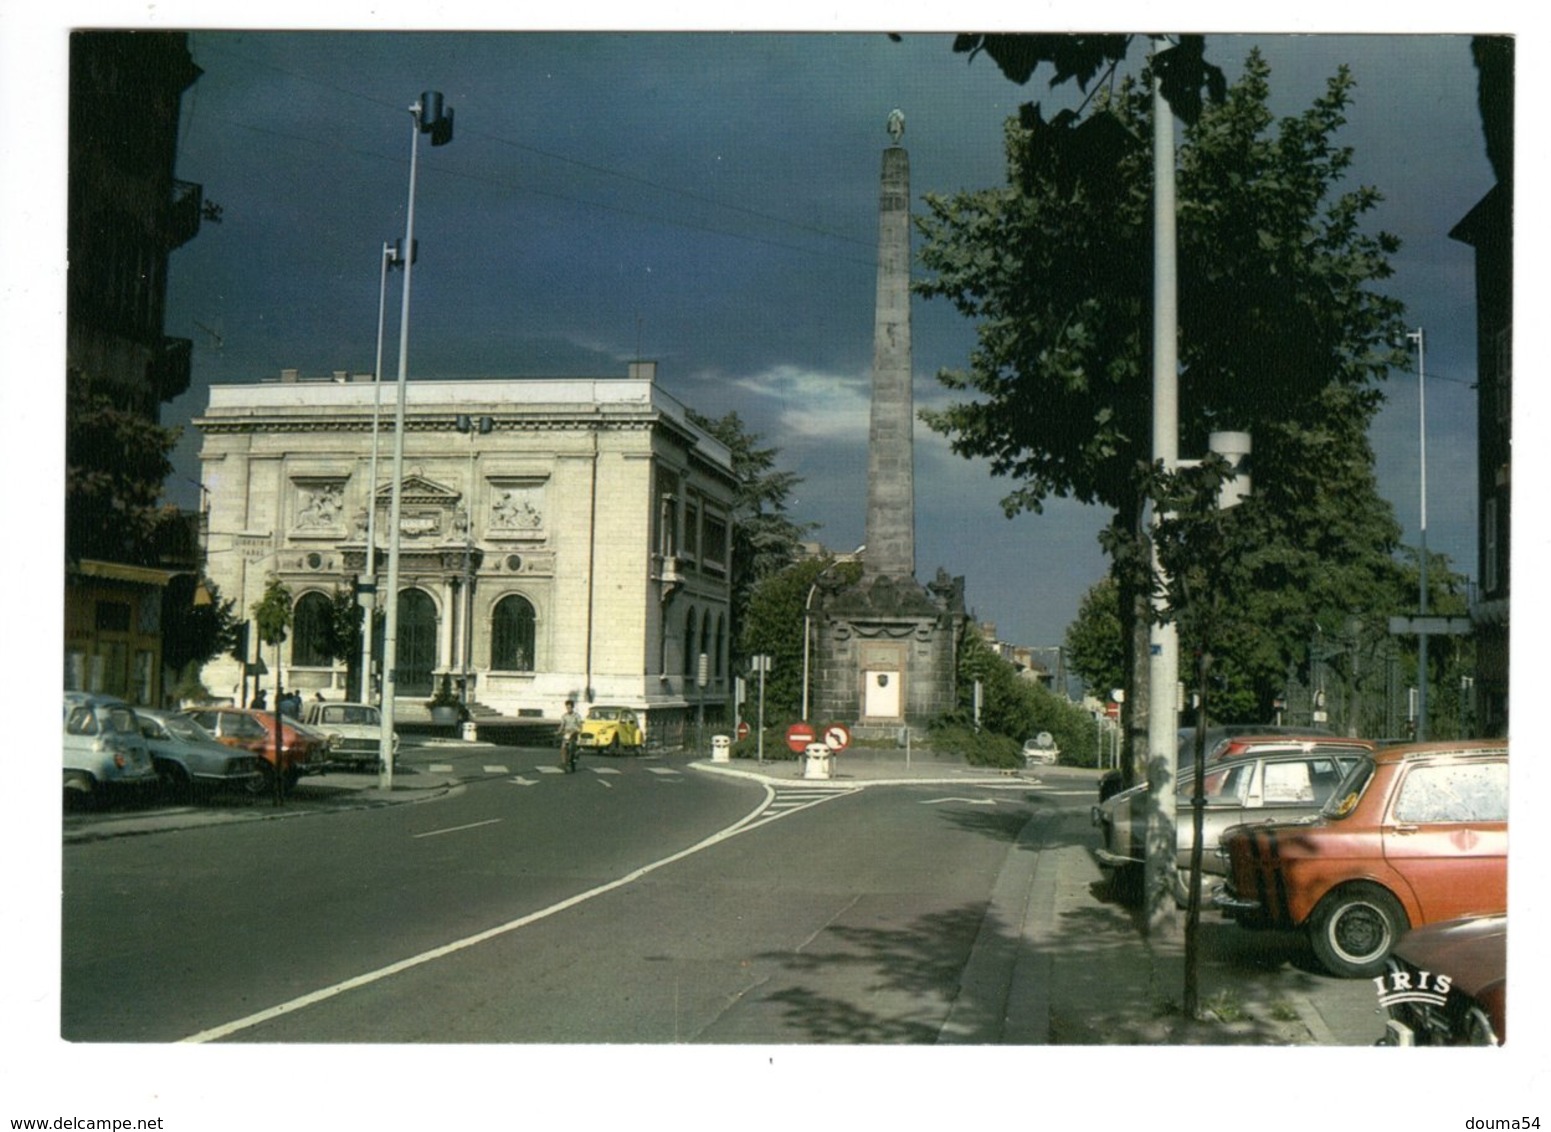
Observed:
{"x":1447,"y":985}
{"x":188,"y":758}
{"x":1111,"y":782}
{"x":302,"y":750}
{"x":611,"y":728}
{"x":104,"y":752}
{"x":354,"y":731}
{"x":1414,"y":835}
{"x":1040,"y":750}
{"x":1256,"y":777}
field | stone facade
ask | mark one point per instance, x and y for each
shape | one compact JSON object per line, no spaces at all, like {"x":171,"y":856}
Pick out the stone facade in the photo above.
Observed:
{"x":580,"y":548}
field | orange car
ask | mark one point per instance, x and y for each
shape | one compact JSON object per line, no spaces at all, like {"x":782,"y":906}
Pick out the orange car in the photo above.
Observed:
{"x":302,"y":750}
{"x":1413,"y":835}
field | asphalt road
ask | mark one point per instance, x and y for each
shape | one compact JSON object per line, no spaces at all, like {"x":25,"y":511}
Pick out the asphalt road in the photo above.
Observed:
{"x":634,"y":902}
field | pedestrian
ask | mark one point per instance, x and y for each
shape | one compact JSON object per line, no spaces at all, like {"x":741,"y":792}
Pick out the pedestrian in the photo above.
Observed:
{"x":260,"y":701}
{"x":570,"y":732}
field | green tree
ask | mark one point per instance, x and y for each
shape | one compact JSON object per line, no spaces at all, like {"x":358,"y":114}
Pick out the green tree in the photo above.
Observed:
{"x":1282,"y":331}
{"x":115,"y":461}
{"x":272,"y":612}
{"x":1095,"y":641}
{"x":196,"y":626}
{"x":776,"y":622}
{"x":1017,"y":708}
{"x":766,"y":540}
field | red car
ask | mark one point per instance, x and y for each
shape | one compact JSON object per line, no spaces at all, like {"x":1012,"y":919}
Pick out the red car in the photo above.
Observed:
{"x":1448,"y":985}
{"x":302,"y":750}
{"x":1413,"y":835}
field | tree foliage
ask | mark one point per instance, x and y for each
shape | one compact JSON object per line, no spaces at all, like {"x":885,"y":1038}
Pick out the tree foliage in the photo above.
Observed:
{"x":1095,"y":640}
{"x":194,"y":632}
{"x":1018,"y":708}
{"x":115,"y":462}
{"x":775,"y":624}
{"x":272,"y":613}
{"x":1283,"y":333}
{"x":766,"y":540}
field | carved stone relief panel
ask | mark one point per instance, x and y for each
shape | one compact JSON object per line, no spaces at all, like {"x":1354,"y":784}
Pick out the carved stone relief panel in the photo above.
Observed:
{"x":517,"y":509}
{"x":319,"y":506}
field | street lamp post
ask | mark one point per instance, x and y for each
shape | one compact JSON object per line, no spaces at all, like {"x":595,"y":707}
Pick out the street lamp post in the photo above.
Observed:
{"x":1421,"y":638}
{"x":368,"y":589}
{"x":471,"y":428}
{"x":427,"y":116}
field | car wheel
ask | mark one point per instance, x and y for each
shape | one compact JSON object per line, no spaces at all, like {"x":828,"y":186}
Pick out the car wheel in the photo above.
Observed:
{"x":293,"y":775}
{"x":1353,"y":929}
{"x":79,"y":792}
{"x":614,"y":744}
{"x":176,"y":784}
{"x":263,"y":785}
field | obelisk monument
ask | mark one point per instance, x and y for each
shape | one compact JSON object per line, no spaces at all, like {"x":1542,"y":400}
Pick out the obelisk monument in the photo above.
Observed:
{"x":890,"y":446}
{"x":887,"y":645}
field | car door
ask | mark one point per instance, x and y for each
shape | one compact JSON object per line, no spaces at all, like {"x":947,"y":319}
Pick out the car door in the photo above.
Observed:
{"x":1446,"y":835}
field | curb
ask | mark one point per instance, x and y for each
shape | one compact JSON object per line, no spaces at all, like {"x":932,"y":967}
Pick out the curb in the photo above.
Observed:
{"x":853,"y":782}
{"x":202,"y":819}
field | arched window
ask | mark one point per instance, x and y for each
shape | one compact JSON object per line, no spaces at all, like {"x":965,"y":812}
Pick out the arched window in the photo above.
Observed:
{"x":721,"y":637}
{"x":705,"y":642}
{"x":417,"y":639}
{"x":310,"y":636}
{"x":512,"y":635}
{"x":689,"y":644}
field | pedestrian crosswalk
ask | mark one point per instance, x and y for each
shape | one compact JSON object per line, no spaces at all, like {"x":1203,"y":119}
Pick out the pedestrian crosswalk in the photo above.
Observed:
{"x":786,"y":800}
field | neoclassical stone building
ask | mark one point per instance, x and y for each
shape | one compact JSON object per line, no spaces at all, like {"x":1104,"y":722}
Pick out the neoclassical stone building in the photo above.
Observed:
{"x":560,"y":538}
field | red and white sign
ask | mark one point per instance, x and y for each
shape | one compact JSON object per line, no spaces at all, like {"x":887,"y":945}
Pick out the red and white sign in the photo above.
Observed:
{"x":1112,"y":710}
{"x":743,"y":729}
{"x":837,"y":737}
{"x":798,"y":736}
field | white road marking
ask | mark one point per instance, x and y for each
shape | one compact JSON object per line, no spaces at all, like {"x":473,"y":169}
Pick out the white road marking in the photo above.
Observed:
{"x":551,"y":770}
{"x":966,"y":801}
{"x":521,"y":781}
{"x":457,"y":828}
{"x":752,"y":820}
{"x":662,"y":770}
{"x":496,"y":770}
{"x":440,"y":768}
{"x":605,"y":770}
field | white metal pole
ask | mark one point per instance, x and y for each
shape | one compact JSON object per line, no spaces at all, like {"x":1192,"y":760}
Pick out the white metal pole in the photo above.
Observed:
{"x":370,"y":608}
{"x":1163,"y":639}
{"x":391,"y":621}
{"x":1421,"y":639}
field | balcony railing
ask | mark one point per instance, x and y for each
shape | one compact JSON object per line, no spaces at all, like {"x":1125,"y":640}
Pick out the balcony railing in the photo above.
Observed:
{"x":183,"y":213}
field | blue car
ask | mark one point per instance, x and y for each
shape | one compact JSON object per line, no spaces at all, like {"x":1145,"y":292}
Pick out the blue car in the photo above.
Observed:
{"x":189,"y":760}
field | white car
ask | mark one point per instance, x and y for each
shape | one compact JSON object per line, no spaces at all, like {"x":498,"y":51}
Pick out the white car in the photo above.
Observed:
{"x":103,"y":749}
{"x":354,"y":730}
{"x":1040,"y":750}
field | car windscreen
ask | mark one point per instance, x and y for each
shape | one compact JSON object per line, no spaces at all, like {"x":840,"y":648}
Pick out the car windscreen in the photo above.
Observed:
{"x":183,"y":727}
{"x":1344,"y":800}
{"x":606,"y":713}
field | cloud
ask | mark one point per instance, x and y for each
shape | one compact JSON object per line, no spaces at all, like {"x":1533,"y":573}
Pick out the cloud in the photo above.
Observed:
{"x":813,"y":407}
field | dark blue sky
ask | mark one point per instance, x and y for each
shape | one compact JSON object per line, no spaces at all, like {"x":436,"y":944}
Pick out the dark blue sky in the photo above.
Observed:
{"x":709,"y":200}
